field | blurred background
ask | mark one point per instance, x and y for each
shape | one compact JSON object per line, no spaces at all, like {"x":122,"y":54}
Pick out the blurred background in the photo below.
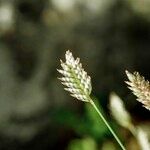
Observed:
{"x":109,"y":36}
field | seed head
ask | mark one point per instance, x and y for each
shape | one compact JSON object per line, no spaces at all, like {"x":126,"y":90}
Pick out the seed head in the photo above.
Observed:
{"x":76,"y":80}
{"x":140,"y":88}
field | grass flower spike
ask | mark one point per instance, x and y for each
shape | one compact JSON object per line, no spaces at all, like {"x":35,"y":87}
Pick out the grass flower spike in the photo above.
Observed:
{"x":76,"y":80}
{"x":78,"y":83}
{"x":140,"y":88}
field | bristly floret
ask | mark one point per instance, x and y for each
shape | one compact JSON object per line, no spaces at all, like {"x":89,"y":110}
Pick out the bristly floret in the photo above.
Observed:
{"x":140,"y":88}
{"x":76,"y":80}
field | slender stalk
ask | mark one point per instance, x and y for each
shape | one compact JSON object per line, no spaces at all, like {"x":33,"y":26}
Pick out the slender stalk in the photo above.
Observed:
{"x":106,"y":123}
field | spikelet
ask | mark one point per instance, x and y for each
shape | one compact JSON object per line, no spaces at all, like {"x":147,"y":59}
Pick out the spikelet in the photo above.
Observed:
{"x":76,"y":80}
{"x":140,"y":88}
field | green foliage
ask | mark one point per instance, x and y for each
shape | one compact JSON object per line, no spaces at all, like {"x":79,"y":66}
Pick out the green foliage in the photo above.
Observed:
{"x":83,"y":144}
{"x":87,"y":124}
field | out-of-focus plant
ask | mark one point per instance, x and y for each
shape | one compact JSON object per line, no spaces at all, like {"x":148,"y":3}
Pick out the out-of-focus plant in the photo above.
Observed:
{"x":83,"y":144}
{"x":87,"y":124}
{"x":119,"y":112}
{"x":123,"y":117}
{"x":78,"y":83}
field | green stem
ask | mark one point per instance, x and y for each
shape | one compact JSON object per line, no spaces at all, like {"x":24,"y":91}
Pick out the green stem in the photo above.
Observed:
{"x":106,"y":123}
